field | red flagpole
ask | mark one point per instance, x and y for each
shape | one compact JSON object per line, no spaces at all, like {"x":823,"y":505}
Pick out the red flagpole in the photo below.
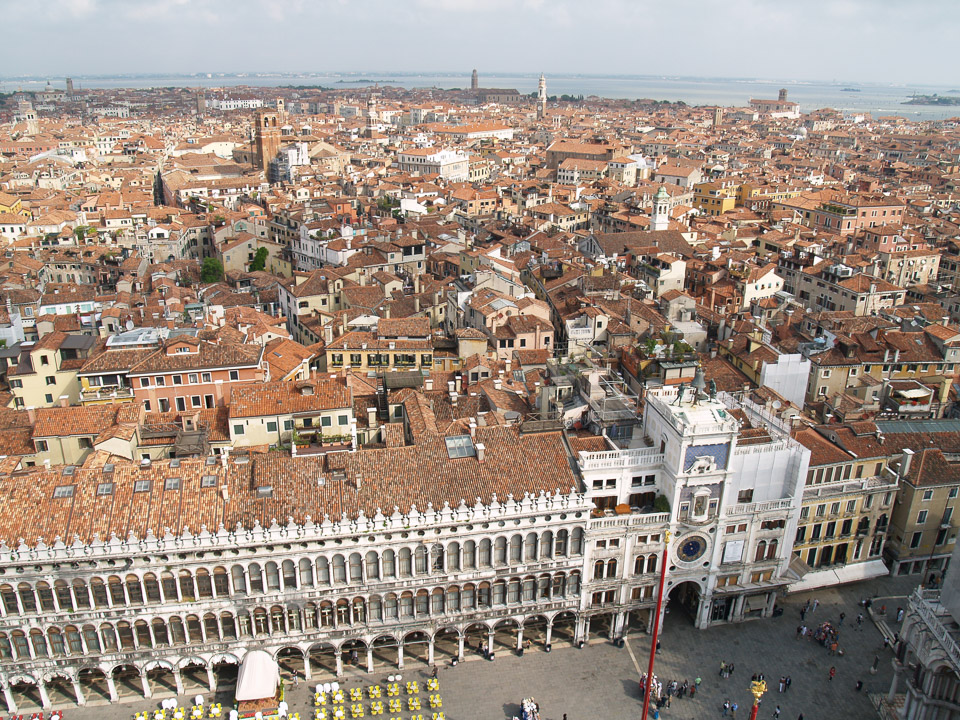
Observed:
{"x":656,"y":627}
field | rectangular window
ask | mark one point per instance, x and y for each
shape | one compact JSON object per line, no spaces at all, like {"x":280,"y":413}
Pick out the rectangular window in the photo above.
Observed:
{"x":141,"y":486}
{"x":193,"y":378}
{"x":144,"y":382}
{"x":234,"y":374}
{"x":851,"y":506}
{"x":325,"y":421}
{"x":342,"y":420}
{"x":288,"y":424}
{"x":178,"y":379}
{"x":921,"y":517}
{"x":63,"y":491}
{"x":181,"y":404}
{"x":272,"y":426}
{"x":171,"y":484}
{"x":927,"y":495}
{"x":953,"y":493}
{"x":196,"y":401}
{"x":238,"y":429}
{"x":41,"y":445}
{"x":208,"y":481}
{"x":206,"y":377}
{"x":915,"y":540}
{"x":745,"y":496}
{"x":804,"y":512}
{"x":105,"y":488}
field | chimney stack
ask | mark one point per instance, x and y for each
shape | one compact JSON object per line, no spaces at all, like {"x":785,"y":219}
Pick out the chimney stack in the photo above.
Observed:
{"x":372,"y":417}
{"x":905,"y":460}
{"x":416,"y":303}
{"x":428,"y":383}
{"x":473,"y":428}
{"x":497,"y":384}
{"x":481,"y":449}
{"x":224,"y":492}
{"x":64,"y":401}
{"x":32,"y":415}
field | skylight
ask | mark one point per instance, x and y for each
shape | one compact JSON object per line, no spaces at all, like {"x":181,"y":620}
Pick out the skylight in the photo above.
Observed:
{"x":460,"y":446}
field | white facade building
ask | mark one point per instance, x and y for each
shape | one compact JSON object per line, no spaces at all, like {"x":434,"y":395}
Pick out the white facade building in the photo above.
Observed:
{"x":451,"y":165}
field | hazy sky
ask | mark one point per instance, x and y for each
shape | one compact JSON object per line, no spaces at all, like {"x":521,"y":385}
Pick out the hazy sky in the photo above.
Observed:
{"x":902,"y":41}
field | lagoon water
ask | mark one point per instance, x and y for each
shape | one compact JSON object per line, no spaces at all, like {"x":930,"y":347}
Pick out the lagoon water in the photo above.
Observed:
{"x":875,"y":98}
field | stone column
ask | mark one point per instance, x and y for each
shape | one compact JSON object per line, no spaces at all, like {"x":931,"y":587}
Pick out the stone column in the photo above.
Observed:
{"x":430,"y":652}
{"x":491,"y":636}
{"x":11,"y":703}
{"x":400,"y":656}
{"x":44,"y":697}
{"x":369,"y":659}
{"x":178,"y":680}
{"x":78,"y":691}
{"x":339,"y":663}
{"x":211,"y":679}
{"x":549,"y":633}
{"x":520,"y":638}
{"x":112,"y":688}
{"x":771,"y":601}
{"x":146,"y":686}
{"x":894,"y":683}
{"x":307,"y":675}
{"x":460,"y":648}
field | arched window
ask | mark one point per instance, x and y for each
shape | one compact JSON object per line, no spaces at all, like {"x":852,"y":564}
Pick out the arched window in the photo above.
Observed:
{"x":611,"y":568}
{"x":516,"y":550}
{"x":638,"y":565}
{"x":576,"y":541}
{"x":423,"y":603}
{"x":356,"y":568}
{"x":108,"y":637}
{"x":178,"y":635}
{"x":421,"y":560}
{"x":116,"y":591}
{"x":761,"y":550}
{"x":204,"y":584}
{"x":220,"y":584}
{"x":652,"y":564}
{"x":483,"y":595}
{"x":483,"y":559}
{"x":6,"y":649}
{"x":468,"y":597}
{"x":27,"y":598}
{"x":261,"y":624}
{"x":160,"y":632}
{"x":406,"y":569}
{"x":469,"y":555}
{"x":311,"y":619}
{"x":20,"y":647}
{"x":39,"y":643}
{"x":453,"y":599}
{"x":99,"y":591}
{"x":436,"y":599}
{"x":323,"y":572}
{"x":573,"y":585}
{"x":543,"y":587}
{"x":499,"y":593}
{"x":276,"y":620}
{"x":546,"y":545}
{"x":239,"y":580}
{"x":559,"y":581}
{"x":92,"y":639}
{"x":530,"y":547}
{"x":772,"y":550}
{"x":228,"y":625}
{"x":82,"y":594}
{"x":74,"y":644}
{"x":9,"y":597}
{"x":169,"y":584}
{"x":211,"y":627}
{"x":125,"y":635}
{"x":289,"y":571}
{"x":529,"y":589}
{"x":598,"y":570}
{"x":339,"y":569}
{"x":256,"y":579}
{"x":389,"y":564}
{"x":187,"y":591}
{"x":373,"y":566}
{"x":560,"y":546}
{"x":406,"y":605}
{"x":513,"y":591}
{"x":376,"y":609}
{"x":45,"y":595}
{"x":500,"y":552}
{"x":151,"y":588}
{"x":452,"y":558}
{"x":57,"y":647}
{"x":306,"y":573}
{"x":142,"y":631}
{"x":390,"y":607}
{"x":134,"y":590}
{"x":64,"y":598}
{"x":436,"y":558}
{"x":194,"y":634}
{"x":273,"y":577}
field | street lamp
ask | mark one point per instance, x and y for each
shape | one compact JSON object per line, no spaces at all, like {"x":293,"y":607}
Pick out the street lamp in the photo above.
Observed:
{"x":757,"y":689}
{"x":656,"y":626}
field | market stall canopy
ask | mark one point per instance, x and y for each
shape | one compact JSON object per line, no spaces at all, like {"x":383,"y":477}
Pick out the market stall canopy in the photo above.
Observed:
{"x":259,"y":676}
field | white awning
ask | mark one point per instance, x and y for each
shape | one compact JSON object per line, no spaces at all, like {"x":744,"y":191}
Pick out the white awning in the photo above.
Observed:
{"x":914,"y":393}
{"x":826,"y":577}
{"x":259,"y":676}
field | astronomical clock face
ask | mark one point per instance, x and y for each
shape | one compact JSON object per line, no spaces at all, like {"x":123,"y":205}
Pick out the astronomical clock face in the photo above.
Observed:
{"x":691,"y":548}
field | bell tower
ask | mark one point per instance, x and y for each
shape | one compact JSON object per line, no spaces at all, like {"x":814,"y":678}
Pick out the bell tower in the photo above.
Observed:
{"x":474,"y":80}
{"x":541,"y":97}
{"x":267,"y":137}
{"x":660,"y":219}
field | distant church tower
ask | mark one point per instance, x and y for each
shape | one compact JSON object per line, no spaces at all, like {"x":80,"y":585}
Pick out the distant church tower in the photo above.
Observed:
{"x":372,"y":117}
{"x":717,"y":116}
{"x":542,"y":98}
{"x":660,"y":219}
{"x":201,"y":102}
{"x":28,"y":116}
{"x":267,"y":138}
{"x":783,"y":94}
{"x":69,"y":87}
{"x":474,"y":80}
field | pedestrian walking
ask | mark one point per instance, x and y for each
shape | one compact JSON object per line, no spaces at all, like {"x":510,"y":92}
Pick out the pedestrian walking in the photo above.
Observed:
{"x":435,"y":671}
{"x":723,"y":668}
{"x":783,"y":683}
{"x":726,"y":708}
{"x":789,"y":681}
{"x":730,"y":669}
{"x":658,"y":646}
{"x":859,"y":685}
{"x":842,"y":616}
{"x":776,"y":713}
{"x":859,"y":620}
{"x":801,"y":717}
{"x":733,"y":711}
{"x":803,"y":614}
{"x":697,"y":681}
{"x":833,"y":671}
{"x":886,"y":642}
{"x":899,"y":614}
{"x":693,"y":691}
{"x":799,"y":631}
{"x":753,"y":678}
{"x":815,"y":603}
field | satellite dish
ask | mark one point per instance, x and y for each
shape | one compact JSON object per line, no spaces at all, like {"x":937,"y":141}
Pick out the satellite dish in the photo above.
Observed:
{"x":777,"y":404}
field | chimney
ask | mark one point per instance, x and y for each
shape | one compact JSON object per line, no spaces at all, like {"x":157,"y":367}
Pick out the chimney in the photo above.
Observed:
{"x":459,"y":380}
{"x":386,"y":312}
{"x":223,"y":456}
{"x":328,"y":333}
{"x":416,"y":284}
{"x":372,"y":417}
{"x":905,"y":461}
{"x":32,"y":415}
{"x":363,"y":279}
{"x":224,"y":491}
{"x":481,"y":448}
{"x":428,"y":383}
{"x":344,"y":325}
{"x":64,"y":401}
{"x":473,"y":428}
{"x":497,"y":384}
{"x":46,"y":463}
{"x":416,"y":303}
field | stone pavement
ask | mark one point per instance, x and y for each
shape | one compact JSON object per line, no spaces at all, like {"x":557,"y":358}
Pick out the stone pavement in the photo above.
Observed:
{"x":601,"y":681}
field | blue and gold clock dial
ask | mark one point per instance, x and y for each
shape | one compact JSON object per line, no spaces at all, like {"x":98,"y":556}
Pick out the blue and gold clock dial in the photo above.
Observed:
{"x":692,"y":548}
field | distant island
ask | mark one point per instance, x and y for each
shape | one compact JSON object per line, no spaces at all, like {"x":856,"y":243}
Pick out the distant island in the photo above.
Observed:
{"x":366,"y":80}
{"x":932,"y":100}
{"x":849,"y":89}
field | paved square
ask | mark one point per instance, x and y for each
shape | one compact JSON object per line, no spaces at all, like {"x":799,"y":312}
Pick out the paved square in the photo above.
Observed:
{"x":602,"y":681}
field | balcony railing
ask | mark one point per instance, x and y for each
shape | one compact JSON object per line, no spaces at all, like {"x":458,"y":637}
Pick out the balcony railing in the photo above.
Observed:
{"x":923,"y":602}
{"x":106,"y":393}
